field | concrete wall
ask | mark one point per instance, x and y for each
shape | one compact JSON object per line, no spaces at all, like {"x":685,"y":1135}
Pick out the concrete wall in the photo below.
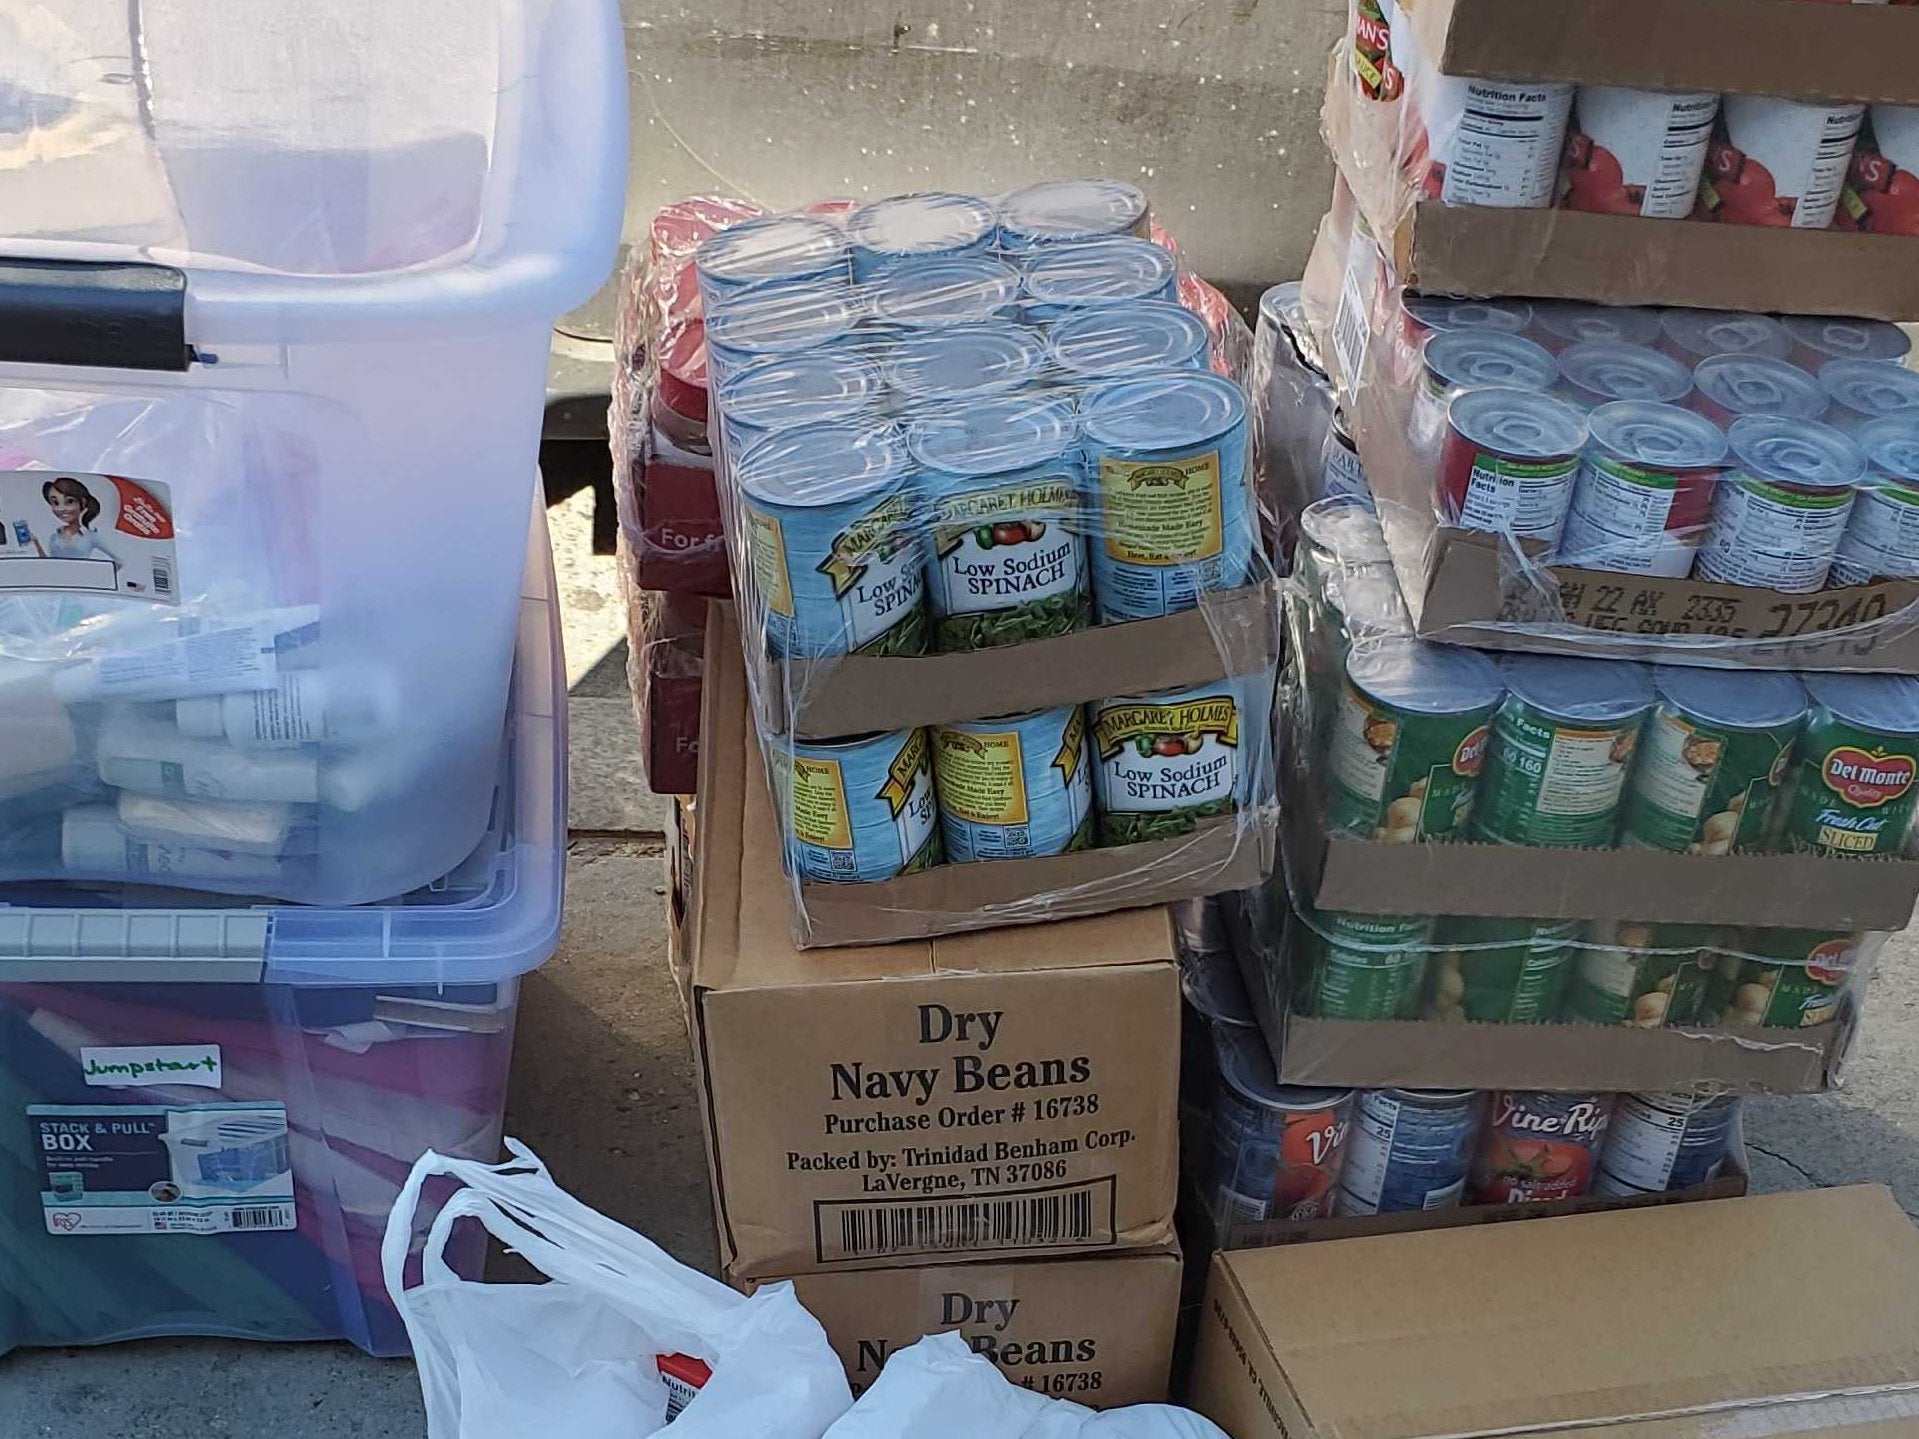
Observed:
{"x":1211,"y":105}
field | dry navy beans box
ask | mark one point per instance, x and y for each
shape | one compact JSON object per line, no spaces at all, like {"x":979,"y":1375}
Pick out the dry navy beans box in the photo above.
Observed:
{"x":1782,"y":1314}
{"x":970,"y":1097}
{"x":1096,"y":1331}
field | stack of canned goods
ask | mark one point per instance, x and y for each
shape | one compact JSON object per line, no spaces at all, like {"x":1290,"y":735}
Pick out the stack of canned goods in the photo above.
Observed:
{"x":1115,"y":772}
{"x":951,"y":424}
{"x":1742,"y":449}
{"x":1540,"y":971}
{"x":1260,"y":1150}
{"x":1421,"y":742}
{"x":1736,"y":159}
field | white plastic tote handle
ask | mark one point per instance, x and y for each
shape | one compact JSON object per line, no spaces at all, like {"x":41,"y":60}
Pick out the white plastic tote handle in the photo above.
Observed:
{"x":774,"y":1373}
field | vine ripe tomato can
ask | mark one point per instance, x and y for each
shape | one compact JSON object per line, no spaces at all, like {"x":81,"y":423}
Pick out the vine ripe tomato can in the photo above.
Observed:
{"x":1853,"y":789}
{"x":1780,"y":509}
{"x":1538,"y":1146}
{"x":1408,"y":738}
{"x":1662,"y":1142}
{"x":1779,"y":162}
{"x":1782,"y":979}
{"x":857,"y":810}
{"x":1499,"y":971}
{"x":1003,"y":490}
{"x":1507,"y":462}
{"x":1713,"y":756}
{"x":1410,"y":1150}
{"x":1562,"y":742}
{"x":1725,"y":387}
{"x":1643,"y":975}
{"x":1881,"y":541}
{"x":1277,"y":1149}
{"x":1644,"y":489}
{"x":1690,"y":336}
{"x":1637,"y":152}
{"x":1819,"y":338}
{"x":1014,"y":787}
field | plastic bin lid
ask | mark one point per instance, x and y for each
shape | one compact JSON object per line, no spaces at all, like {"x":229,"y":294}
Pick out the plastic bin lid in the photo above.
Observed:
{"x":356,"y":140}
{"x":494,"y":917}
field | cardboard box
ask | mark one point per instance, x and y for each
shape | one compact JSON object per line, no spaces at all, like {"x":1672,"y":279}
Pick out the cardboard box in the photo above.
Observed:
{"x":996,"y":1095}
{"x":1227,"y":852}
{"x":1235,"y":632}
{"x":1265,"y":1233}
{"x":1784,"y":1314}
{"x":1623,"y":259}
{"x":1096,"y":1331}
{"x":1750,"y":47}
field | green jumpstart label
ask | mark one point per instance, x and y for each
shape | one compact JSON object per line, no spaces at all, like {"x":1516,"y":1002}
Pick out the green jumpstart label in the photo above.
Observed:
{"x":1401,"y":776}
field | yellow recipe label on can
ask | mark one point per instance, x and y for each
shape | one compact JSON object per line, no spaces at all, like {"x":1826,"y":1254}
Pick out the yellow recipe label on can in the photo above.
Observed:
{"x":1162,"y":512}
{"x":766,"y":543}
{"x":817,"y":797}
{"x":982,"y":777}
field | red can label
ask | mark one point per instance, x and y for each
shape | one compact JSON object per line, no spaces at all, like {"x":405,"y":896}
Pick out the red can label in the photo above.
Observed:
{"x":1311,"y":1149}
{"x":1539,"y":1146}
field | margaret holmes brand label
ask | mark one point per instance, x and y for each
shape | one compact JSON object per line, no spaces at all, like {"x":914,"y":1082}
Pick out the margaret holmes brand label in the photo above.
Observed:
{"x":1165,"y":763}
{"x":1010,"y":565}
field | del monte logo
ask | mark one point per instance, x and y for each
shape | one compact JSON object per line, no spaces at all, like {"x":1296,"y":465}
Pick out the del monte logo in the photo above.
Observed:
{"x":1471,"y":753}
{"x":1829,"y":962}
{"x":1867,"y":778}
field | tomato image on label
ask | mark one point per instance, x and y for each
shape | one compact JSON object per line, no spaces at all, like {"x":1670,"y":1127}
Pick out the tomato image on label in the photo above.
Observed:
{"x":1539,"y":1146}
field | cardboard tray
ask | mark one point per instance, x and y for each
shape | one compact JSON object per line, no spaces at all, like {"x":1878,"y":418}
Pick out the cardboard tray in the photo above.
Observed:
{"x":1752,"y":47}
{"x":1264,"y":1234}
{"x":1235,"y":633}
{"x":1228,"y":853}
{"x":1773,"y":891}
{"x":1622,"y":259}
{"x":1465,"y":587}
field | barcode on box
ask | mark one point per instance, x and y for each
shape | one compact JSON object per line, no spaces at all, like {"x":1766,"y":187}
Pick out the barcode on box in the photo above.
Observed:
{"x":1073,"y":1214}
{"x":263,"y":1216}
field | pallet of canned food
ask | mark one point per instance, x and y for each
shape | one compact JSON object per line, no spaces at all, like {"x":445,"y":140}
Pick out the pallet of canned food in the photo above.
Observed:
{"x":1712,"y":488}
{"x":1490,"y":153}
{"x":1267,"y":1162}
{"x":1009,"y":624}
{"x":1423,"y":777}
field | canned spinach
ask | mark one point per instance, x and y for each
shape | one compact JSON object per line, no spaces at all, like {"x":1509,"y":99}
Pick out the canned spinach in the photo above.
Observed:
{"x":1712,"y":757}
{"x":1499,"y":971}
{"x":1004,"y":502}
{"x":1014,"y":786}
{"x":1167,"y":458}
{"x":1166,"y":761}
{"x":1408,"y":737}
{"x":1645,"y":975}
{"x":1783,"y":978}
{"x":857,"y":810}
{"x":1853,"y":790}
{"x":1362,"y":966}
{"x":833,"y":542}
{"x":1561,"y":744}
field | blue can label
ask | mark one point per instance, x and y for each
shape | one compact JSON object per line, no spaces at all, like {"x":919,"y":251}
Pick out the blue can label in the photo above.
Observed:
{"x":1659,"y":1142}
{"x":1165,"y":762}
{"x":858,"y":812}
{"x":1409,"y":1153}
{"x":1016,"y":786}
{"x":840,"y":580}
{"x":1009,"y":565}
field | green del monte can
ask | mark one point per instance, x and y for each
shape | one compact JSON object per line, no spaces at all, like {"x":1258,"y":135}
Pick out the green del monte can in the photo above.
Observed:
{"x":1854,"y":784}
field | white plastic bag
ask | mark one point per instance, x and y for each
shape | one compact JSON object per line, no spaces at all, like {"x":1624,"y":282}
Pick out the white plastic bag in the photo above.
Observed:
{"x":940,"y":1389}
{"x":578,"y":1357}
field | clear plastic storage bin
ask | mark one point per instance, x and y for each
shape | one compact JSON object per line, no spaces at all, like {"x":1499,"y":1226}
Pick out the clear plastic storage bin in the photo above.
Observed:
{"x":206,"y":1114}
{"x":276,"y":288}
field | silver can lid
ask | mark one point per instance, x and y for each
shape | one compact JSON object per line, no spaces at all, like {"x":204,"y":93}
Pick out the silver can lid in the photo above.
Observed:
{"x":1478,"y":359}
{"x":1842,"y":338}
{"x":1603,"y":370}
{"x":1725,"y":332}
{"x":1740,"y":699}
{"x":1442,"y":313}
{"x":1796,"y":452}
{"x":1120,"y":339}
{"x":1574,"y":321}
{"x":1658,"y":437}
{"x":1055,"y":211}
{"x":1425,"y":678}
{"x":959,"y":291}
{"x":1519,"y":424}
{"x":1892,"y":446}
{"x":931,"y":222}
{"x":824,"y":464}
{"x":1099,"y":272}
{"x":774,"y":248}
{"x":1597,"y":691}
{"x":1759,"y":385}
{"x":1886,"y":703}
{"x":1873,"y":388}
{"x":1346,"y":528}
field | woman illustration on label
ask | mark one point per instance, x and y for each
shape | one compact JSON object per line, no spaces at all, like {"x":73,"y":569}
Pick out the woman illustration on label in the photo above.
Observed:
{"x":76,"y":509}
